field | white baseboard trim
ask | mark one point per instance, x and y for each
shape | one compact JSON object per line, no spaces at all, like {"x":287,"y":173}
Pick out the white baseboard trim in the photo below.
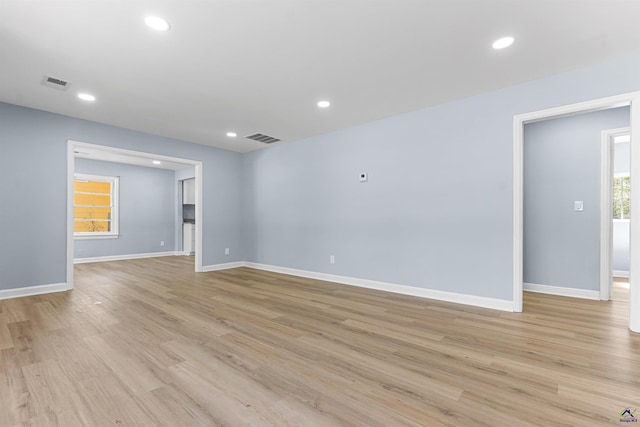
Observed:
{"x":225,"y":266}
{"x":620,"y":273}
{"x":125,"y":257}
{"x":492,"y":303}
{"x":561,"y":291}
{"x":32,"y":290}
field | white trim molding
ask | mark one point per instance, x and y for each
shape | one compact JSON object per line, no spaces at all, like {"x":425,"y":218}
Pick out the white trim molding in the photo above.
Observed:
{"x":199,"y":216}
{"x":225,"y":266}
{"x":71,"y":168}
{"x":33,"y":290}
{"x":473,"y":300}
{"x":125,"y":257}
{"x":561,"y":291}
{"x":634,"y":249}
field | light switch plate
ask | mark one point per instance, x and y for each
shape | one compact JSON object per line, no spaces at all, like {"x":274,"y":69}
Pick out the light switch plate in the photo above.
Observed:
{"x":364,"y":177}
{"x":578,"y":205}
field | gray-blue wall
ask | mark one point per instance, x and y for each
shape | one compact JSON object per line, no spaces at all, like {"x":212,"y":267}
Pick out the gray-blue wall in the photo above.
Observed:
{"x":561,"y":166}
{"x":33,"y":161}
{"x":146,"y":205}
{"x":437,"y":211}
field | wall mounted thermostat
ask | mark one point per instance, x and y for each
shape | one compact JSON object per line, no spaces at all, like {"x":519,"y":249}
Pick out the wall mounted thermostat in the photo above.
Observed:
{"x":364,"y":177}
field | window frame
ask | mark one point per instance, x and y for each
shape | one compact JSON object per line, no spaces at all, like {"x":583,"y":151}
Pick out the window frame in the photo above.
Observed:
{"x":115,"y":214}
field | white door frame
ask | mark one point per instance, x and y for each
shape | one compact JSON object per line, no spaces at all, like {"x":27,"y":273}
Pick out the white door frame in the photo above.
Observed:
{"x":606,"y":209}
{"x":631,"y":99}
{"x":72,"y":146}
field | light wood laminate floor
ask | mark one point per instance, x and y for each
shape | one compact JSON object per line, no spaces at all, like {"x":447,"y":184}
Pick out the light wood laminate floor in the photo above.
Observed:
{"x":151,"y":343}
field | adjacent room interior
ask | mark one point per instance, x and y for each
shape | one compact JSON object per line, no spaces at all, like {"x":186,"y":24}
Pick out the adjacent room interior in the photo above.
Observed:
{"x":154,"y":214}
{"x":319,"y":213}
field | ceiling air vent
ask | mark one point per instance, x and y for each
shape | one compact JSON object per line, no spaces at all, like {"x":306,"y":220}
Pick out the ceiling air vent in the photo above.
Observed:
{"x":55,"y":83}
{"x":263,"y":138}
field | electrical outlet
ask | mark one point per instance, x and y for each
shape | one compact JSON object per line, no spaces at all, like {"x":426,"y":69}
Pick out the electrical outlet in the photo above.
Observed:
{"x":226,"y":251}
{"x":332,"y":259}
{"x":161,"y":242}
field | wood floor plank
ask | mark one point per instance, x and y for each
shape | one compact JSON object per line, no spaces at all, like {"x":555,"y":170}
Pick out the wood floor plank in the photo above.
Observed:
{"x":24,"y":350}
{"x":109,"y":402}
{"x":226,"y":409}
{"x":151,"y":343}
{"x":241,"y":391}
{"x":14,"y":398}
{"x":52,"y":395}
{"x":5,"y":335}
{"x":78,"y":362}
{"x":125,"y":364}
{"x":171,"y":406}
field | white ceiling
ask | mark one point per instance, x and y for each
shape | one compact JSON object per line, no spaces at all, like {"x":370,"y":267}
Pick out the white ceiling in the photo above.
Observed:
{"x":261,"y":65}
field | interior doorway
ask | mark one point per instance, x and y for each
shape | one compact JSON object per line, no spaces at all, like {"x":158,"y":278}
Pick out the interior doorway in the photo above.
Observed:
{"x":118,"y":155}
{"x":563,"y":204}
{"x":616,"y":155}
{"x":633,"y":101}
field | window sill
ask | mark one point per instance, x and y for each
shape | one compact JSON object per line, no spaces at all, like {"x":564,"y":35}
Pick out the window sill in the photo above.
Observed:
{"x":97,"y":236}
{"x":621,"y":220}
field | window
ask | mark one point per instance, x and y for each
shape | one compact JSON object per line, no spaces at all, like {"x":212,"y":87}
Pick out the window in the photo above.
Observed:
{"x":95,"y":210}
{"x":621,"y":196}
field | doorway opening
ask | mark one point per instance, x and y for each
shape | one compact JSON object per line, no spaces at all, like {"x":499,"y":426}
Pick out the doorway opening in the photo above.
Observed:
{"x":77,"y":149}
{"x":633,"y":101}
{"x":616,"y":187}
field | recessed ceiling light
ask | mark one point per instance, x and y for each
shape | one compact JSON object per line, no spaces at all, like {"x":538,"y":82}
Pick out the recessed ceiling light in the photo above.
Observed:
{"x":157,"y":162}
{"x":232,"y":134}
{"x":323,"y":104}
{"x":157,"y":23}
{"x":503,"y":42}
{"x":86,"y":97}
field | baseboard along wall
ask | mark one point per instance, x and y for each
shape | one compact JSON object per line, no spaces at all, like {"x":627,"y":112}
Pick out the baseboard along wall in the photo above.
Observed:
{"x":561,"y":291}
{"x":225,"y":266}
{"x":32,"y":290}
{"x":126,"y":257}
{"x":473,"y":300}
